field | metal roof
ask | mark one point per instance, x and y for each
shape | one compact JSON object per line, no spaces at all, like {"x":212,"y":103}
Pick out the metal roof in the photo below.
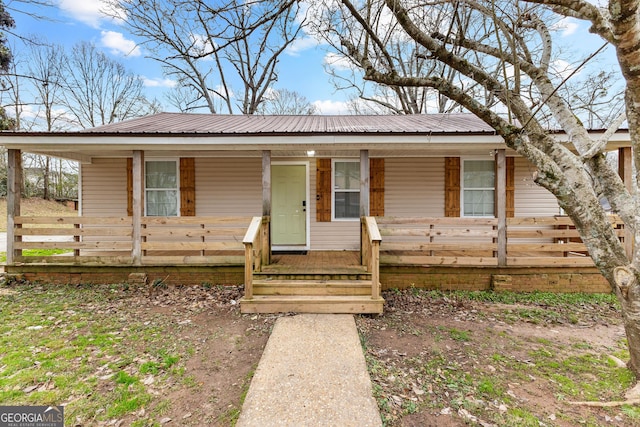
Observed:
{"x":211,"y":124}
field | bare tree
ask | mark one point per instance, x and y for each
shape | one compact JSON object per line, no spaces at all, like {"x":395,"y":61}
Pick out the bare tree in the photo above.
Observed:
{"x":513,"y":62}
{"x":98,"y":90}
{"x":199,"y":42}
{"x":44,"y":76}
{"x":597,"y":99}
{"x":409,"y":58}
{"x":284,"y":101}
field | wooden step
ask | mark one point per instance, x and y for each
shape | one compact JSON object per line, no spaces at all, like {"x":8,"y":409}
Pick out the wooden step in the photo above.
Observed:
{"x":312,"y":287}
{"x":311,"y":276}
{"x":311,"y":304}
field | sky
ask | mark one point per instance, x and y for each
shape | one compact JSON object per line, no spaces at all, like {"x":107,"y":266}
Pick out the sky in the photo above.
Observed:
{"x":302,"y":68}
{"x":72,"y":21}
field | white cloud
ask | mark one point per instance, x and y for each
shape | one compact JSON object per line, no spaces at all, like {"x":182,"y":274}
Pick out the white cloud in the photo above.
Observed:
{"x":568,"y":26}
{"x":332,"y":107}
{"x":91,"y":12}
{"x":301,"y":44}
{"x":338,"y":62}
{"x":562,"y":68}
{"x":201,"y":46}
{"x":119,"y":45}
{"x":159,"y":82}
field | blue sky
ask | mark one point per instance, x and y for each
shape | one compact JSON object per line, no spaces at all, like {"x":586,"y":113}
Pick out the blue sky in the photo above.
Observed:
{"x":301,"y":69}
{"x":81,"y":20}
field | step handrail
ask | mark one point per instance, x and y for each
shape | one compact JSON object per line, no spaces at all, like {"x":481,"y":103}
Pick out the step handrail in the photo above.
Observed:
{"x":250,"y":241}
{"x":370,"y":247}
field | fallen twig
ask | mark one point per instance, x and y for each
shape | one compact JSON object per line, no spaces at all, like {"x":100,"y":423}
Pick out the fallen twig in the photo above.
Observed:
{"x":635,"y":401}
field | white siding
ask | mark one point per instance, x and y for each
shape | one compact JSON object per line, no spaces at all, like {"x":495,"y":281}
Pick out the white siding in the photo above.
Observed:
{"x":228,"y":186}
{"x":104,"y":188}
{"x":530,"y":198}
{"x":414,"y":187}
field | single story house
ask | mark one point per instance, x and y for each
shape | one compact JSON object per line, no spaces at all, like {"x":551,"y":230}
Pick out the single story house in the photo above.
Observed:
{"x":310,"y":213}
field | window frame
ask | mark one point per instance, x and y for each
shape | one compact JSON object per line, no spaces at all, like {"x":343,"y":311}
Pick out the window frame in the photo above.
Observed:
{"x":177,"y":188}
{"x":333,"y":189}
{"x":463,"y":162}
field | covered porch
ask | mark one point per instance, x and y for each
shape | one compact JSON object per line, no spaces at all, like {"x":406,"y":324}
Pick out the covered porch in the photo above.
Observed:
{"x":401,"y":222}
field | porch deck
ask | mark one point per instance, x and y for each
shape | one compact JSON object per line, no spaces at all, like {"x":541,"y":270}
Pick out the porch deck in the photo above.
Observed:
{"x":315,"y":262}
{"x":542,"y":253}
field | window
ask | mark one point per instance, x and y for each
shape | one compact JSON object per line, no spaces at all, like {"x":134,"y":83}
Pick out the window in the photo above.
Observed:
{"x":346,"y":189}
{"x":161,"y":188}
{"x":478,"y":183}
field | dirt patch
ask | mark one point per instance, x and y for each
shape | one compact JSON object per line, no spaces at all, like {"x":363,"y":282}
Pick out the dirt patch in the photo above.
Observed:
{"x":224,"y":348}
{"x":438,"y":360}
{"x":36,"y":207}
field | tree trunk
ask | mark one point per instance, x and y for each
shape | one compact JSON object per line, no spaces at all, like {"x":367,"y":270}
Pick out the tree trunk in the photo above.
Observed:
{"x":627,"y":282}
{"x":45,"y":178}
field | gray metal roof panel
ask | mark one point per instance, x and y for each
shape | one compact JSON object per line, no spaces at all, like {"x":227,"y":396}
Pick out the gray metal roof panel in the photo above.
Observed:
{"x":179,"y":123}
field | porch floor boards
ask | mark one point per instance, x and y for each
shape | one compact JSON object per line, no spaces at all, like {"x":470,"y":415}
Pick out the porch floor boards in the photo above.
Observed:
{"x":316,"y":262}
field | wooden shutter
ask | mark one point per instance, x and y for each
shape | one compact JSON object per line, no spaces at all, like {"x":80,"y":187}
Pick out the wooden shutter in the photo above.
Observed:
{"x":376,"y":187}
{"x":452,"y":186}
{"x":510,"y":187}
{"x":129,"y":186}
{"x":188,"y":186}
{"x":323,"y":190}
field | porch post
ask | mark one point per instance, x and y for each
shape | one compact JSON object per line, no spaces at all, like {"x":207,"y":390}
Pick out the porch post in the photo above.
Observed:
{"x":625,"y":170}
{"x":14,"y":188}
{"x":266,"y":207}
{"x":364,"y":199}
{"x":364,"y":183}
{"x":138,"y":205}
{"x":501,"y":205}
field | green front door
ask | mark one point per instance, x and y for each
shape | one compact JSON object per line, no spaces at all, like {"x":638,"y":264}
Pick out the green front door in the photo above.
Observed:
{"x":288,"y":205}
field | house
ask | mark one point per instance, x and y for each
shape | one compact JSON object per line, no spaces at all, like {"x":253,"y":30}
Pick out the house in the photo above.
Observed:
{"x":311,"y":213}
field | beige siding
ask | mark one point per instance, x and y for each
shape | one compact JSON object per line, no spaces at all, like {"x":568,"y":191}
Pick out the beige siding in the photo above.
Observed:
{"x":334,"y":235}
{"x":414,"y":187}
{"x":530,"y":198}
{"x":104,"y":188}
{"x":228,"y":187}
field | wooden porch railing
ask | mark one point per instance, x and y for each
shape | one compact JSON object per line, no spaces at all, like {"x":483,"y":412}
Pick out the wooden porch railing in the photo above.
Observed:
{"x":109,"y":240}
{"x":256,"y":251}
{"x":532,"y":241}
{"x":370,"y":252}
{"x":83,"y":240}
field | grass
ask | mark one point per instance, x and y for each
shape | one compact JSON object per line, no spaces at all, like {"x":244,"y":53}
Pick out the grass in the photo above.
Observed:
{"x":64,"y":345}
{"x":35,"y":207}
{"x":462,"y":371}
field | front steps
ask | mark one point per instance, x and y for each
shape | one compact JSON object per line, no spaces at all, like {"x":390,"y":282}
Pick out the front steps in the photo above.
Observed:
{"x":316,"y":295}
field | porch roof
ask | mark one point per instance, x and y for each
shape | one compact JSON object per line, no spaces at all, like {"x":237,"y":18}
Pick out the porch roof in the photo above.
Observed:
{"x":199,"y":135}
{"x":209,"y":124}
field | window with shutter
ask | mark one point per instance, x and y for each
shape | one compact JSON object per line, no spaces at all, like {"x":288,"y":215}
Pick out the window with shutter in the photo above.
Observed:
{"x":157,"y":182}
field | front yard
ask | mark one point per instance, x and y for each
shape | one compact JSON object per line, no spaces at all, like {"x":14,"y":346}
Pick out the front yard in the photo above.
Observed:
{"x":144,"y":356}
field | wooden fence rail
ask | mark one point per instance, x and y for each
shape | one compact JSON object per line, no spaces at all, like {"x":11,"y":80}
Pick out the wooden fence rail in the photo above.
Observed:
{"x":531,"y":241}
{"x":108,"y":240}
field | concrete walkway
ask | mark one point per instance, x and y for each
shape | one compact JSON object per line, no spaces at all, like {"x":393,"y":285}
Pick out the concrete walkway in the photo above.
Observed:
{"x":312,"y":373}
